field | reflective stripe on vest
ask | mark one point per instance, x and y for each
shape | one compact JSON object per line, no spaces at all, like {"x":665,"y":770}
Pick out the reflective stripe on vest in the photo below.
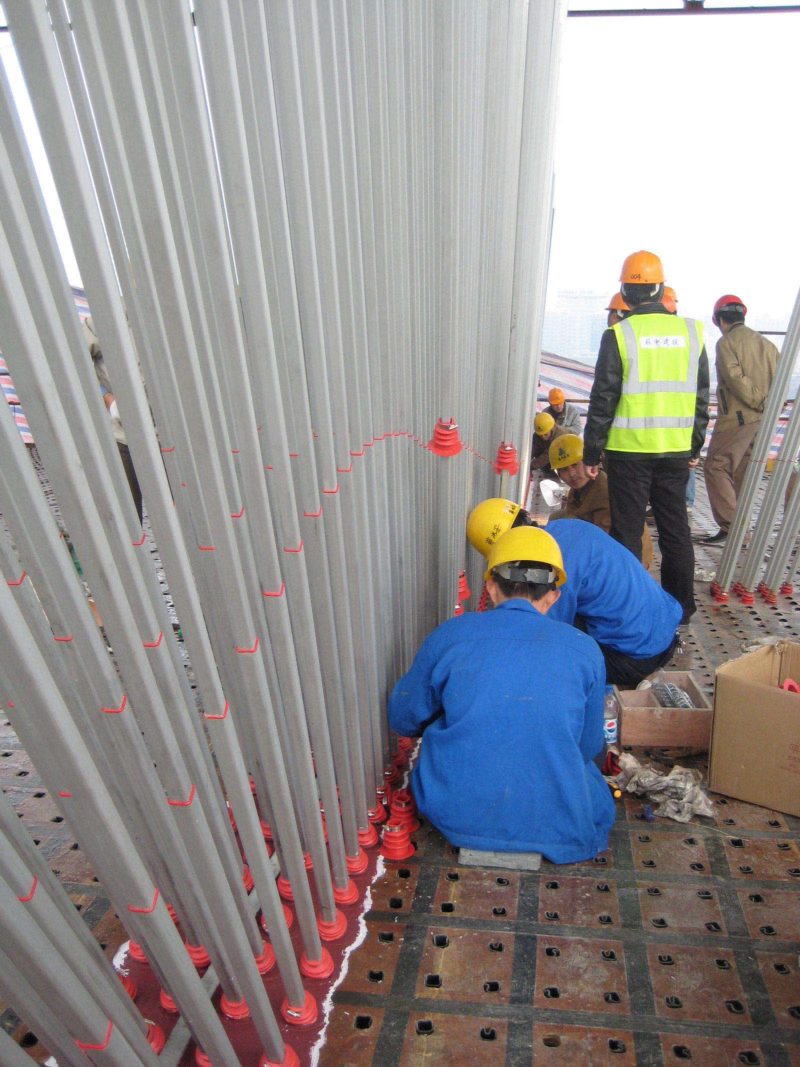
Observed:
{"x":660,"y":356}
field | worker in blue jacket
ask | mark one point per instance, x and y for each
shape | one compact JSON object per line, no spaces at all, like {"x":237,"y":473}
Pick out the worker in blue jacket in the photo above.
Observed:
{"x":608,"y":594}
{"x":506,"y":761}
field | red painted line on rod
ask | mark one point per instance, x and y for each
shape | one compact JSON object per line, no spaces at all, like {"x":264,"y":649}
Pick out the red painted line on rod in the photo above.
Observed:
{"x":238,"y":514}
{"x":248,"y":651}
{"x":294,"y":550}
{"x":65,"y":794}
{"x":116,"y":711}
{"x":141,"y":541}
{"x":148,"y":910}
{"x":224,"y":714}
{"x":270,"y":592}
{"x":63,"y":640}
{"x":207,"y":548}
{"x":168,"y":450}
{"x":332,"y":492}
{"x":313,"y":514}
{"x":183,"y":803}
{"x":156,"y":643}
{"x":86,"y":1046}
{"x":345,"y":470}
{"x":29,"y":897}
{"x":19,"y":580}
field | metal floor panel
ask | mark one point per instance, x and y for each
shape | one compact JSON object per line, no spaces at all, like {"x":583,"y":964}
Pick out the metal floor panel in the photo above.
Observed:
{"x":678,"y":945}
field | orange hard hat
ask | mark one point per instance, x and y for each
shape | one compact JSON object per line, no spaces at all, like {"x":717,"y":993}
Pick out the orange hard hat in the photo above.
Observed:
{"x":642,"y":268}
{"x":556,"y":395}
{"x":617,"y":303}
{"x":669,"y":299}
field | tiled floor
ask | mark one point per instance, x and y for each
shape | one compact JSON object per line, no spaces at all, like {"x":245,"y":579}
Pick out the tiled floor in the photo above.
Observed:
{"x":679,"y":945}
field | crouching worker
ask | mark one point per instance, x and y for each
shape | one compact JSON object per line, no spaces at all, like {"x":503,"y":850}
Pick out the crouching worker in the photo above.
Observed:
{"x":506,"y":757}
{"x":588,"y":490}
{"x":609,"y":594}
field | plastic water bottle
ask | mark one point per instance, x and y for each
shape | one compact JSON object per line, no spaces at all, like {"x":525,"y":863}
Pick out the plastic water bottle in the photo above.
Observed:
{"x":610,"y":720}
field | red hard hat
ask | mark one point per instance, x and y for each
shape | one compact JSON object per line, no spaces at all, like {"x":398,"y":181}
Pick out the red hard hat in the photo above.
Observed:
{"x":729,"y":301}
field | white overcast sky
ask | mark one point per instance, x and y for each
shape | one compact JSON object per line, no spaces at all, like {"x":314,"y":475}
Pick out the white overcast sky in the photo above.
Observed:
{"x":678,"y":134}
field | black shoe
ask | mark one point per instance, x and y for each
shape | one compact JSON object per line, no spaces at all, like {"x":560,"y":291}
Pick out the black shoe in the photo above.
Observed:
{"x":719,"y":538}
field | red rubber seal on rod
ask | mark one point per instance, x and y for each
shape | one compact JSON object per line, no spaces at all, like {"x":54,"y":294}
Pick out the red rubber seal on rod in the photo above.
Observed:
{"x":357,"y":864}
{"x":304,"y":1014}
{"x":289,"y":1059}
{"x":348,"y":895}
{"x":334,"y":930}
{"x":234,"y":1009}
{"x":321,"y":968}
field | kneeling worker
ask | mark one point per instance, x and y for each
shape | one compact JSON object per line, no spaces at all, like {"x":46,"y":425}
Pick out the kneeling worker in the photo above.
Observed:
{"x":506,"y":757}
{"x":609,"y":594}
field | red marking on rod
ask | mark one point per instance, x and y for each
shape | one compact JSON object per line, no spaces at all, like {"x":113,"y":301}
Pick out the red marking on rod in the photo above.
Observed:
{"x":207,"y":548}
{"x":236,"y":451}
{"x":183,"y":803}
{"x":313,"y":514}
{"x":379,"y":437}
{"x":156,"y":643}
{"x":86,"y":1046}
{"x":369,"y":444}
{"x":29,"y":897}
{"x":268,"y":468}
{"x":66,"y":795}
{"x":248,"y":651}
{"x":63,"y":640}
{"x":294,"y":455}
{"x":11,"y":704}
{"x":352,"y":453}
{"x":184,"y":485}
{"x":294,"y":550}
{"x":148,"y":910}
{"x":272,"y":592}
{"x":19,"y":580}
{"x":345,"y":470}
{"x":224,"y":714}
{"x":238,"y":514}
{"x":167,"y":450}
{"x":332,"y":492}
{"x":119,"y":710}
{"x":141,"y":541}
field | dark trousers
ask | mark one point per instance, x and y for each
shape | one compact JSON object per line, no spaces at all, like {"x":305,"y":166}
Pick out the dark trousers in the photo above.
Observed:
{"x":662,"y":482}
{"x":626,"y":671}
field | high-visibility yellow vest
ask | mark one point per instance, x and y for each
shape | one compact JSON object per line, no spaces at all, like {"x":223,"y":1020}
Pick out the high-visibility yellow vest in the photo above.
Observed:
{"x":660,"y":356}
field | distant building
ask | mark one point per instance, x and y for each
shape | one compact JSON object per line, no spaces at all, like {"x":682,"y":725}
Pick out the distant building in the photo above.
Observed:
{"x":574,"y":321}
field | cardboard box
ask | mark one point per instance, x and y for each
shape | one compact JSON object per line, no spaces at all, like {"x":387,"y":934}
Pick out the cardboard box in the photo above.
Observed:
{"x":646,"y":723}
{"x":755,"y":742}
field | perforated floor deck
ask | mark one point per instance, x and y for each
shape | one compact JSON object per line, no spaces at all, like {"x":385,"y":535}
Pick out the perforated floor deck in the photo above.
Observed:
{"x":679,"y":945}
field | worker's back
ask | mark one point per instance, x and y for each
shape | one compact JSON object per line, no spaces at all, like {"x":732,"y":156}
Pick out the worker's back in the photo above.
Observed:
{"x":621,"y":604}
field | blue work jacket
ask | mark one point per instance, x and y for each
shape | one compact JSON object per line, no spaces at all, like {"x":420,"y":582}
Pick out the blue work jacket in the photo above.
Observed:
{"x":510,"y":706}
{"x":622,"y":606}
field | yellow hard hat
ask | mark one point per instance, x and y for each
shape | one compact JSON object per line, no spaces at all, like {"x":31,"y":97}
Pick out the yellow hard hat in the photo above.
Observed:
{"x":556,"y":395}
{"x":516,"y":554}
{"x":565,"y":451}
{"x":642,"y":268}
{"x":543,"y":423}
{"x":617,"y":303}
{"x":488,"y":521}
{"x":669,"y":299}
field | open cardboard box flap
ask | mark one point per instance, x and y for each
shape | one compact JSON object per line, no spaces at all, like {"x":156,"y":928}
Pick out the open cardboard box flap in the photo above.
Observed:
{"x":755,"y":741}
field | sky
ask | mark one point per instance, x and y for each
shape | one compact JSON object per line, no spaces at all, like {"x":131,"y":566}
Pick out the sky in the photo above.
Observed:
{"x":676,"y":134}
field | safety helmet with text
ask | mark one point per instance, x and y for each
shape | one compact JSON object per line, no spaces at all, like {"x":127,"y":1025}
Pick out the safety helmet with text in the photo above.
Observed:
{"x":565,"y":451}
{"x":489,"y":520}
{"x":543,"y":423}
{"x":729,"y":302}
{"x":527,"y":554}
{"x":642,"y":268}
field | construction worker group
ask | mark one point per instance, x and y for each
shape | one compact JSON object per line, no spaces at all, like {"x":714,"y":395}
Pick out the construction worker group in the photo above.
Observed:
{"x":508,"y":761}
